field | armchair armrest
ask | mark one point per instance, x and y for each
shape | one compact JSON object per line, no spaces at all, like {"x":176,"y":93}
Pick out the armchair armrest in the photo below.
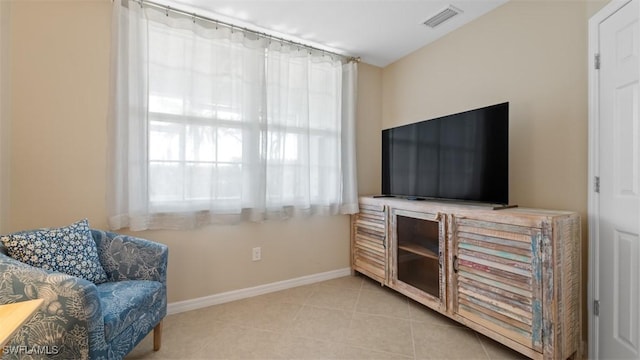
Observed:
{"x":126,"y":257}
{"x":69,"y":320}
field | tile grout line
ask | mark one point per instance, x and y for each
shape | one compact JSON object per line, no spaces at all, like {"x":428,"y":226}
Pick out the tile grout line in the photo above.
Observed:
{"x":408,"y":319}
{"x":482,"y":344}
{"x":304,"y":303}
{"x":355,"y":306}
{"x":352,"y":313}
{"x":413,"y":339}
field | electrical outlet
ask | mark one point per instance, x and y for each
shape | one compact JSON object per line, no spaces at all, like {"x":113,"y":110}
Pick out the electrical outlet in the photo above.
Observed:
{"x":256,"y":254}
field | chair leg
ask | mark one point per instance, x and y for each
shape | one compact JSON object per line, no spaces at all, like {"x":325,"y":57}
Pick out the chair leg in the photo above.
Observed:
{"x":157,"y":336}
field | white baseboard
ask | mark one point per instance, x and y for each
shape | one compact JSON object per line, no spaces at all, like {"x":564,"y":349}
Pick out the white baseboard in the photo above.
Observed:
{"x":198,"y":303}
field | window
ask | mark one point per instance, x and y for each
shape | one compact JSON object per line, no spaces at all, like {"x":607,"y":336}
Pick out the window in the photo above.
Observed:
{"x":228,"y":125}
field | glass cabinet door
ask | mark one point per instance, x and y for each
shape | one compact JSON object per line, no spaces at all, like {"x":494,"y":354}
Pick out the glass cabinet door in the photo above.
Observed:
{"x":418,"y":241}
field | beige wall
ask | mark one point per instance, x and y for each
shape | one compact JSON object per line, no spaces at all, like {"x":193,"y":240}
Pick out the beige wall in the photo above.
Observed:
{"x":59,"y":85}
{"x":60,"y":74}
{"x":369,"y":140}
{"x":4,"y":114}
{"x":532,"y":54}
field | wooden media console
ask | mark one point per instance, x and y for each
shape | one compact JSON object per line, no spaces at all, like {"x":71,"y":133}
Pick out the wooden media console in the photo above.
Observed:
{"x":512,"y":275}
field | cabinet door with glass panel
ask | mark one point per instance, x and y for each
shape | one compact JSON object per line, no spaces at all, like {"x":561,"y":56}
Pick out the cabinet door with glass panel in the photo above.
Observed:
{"x":417,"y":256}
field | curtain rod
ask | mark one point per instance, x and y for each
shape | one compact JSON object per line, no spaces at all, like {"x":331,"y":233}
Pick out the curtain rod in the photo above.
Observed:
{"x":195,"y":16}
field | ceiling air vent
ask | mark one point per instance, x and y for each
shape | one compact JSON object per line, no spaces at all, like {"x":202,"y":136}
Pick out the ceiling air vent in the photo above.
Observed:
{"x":442,"y":16}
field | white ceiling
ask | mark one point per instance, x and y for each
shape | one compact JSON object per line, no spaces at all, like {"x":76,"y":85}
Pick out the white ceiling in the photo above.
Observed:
{"x":378,"y":31}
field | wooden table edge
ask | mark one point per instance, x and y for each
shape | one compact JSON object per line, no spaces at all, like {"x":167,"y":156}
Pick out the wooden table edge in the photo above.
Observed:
{"x":13,"y":316}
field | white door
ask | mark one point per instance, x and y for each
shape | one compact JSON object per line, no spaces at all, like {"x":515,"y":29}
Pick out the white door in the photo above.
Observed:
{"x":618,"y":153}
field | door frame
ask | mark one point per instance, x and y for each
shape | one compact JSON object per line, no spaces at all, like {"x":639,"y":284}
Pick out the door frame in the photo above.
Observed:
{"x":594,"y":166}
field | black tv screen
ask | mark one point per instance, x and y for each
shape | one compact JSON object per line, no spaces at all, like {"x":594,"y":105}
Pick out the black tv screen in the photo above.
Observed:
{"x":462,"y":156}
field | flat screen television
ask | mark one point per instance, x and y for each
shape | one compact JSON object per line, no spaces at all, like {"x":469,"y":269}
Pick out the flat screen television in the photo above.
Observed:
{"x":462,"y":156}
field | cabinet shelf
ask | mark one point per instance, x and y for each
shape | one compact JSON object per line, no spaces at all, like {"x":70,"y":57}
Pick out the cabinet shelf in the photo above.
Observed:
{"x":418,"y":250}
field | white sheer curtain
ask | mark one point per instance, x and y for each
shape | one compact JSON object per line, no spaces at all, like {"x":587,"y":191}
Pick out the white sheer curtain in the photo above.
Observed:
{"x":214,"y":125}
{"x":127,"y":197}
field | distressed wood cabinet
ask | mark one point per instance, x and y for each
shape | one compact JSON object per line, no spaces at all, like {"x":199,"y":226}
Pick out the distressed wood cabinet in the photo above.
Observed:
{"x":512,"y":275}
{"x":369,"y":242}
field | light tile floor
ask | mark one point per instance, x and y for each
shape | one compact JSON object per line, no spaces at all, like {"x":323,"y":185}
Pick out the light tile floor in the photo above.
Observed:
{"x":345,"y":318}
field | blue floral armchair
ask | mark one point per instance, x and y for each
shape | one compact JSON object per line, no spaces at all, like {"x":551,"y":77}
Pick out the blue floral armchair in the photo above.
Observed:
{"x":81,"y":320}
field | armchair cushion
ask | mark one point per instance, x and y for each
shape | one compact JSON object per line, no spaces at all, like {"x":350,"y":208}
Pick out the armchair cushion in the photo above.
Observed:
{"x":70,"y":250}
{"x":126,"y":302}
{"x":126,"y":257}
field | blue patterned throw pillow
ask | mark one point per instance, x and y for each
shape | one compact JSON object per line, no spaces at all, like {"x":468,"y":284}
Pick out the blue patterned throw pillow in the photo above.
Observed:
{"x":70,"y":250}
